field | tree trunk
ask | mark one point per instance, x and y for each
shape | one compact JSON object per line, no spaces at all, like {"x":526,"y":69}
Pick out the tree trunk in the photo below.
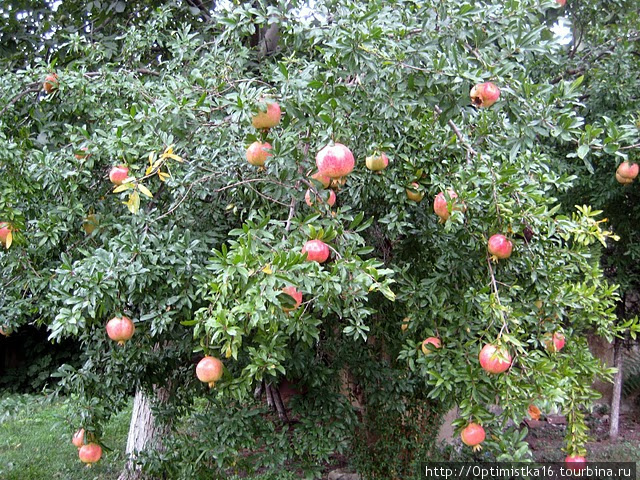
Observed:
{"x":145,"y":433}
{"x":614,"y":421}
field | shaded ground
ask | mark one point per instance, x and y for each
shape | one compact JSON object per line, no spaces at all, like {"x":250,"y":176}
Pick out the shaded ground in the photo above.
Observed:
{"x":546,"y":438}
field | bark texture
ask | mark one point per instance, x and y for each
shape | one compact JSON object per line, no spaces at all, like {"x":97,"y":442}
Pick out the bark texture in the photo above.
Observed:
{"x":145,"y":433}
{"x":614,"y":421}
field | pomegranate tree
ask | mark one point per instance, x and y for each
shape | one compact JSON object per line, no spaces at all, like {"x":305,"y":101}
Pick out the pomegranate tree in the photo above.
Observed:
{"x":120,"y":329}
{"x":335,"y":161}
{"x":258,"y":152}
{"x":473,"y":435}
{"x":494,"y":360}
{"x":209,"y":370}
{"x":316,"y":250}
{"x":484,"y":94}
{"x":500,"y":246}
{"x":90,"y":453}
{"x":269,"y":118}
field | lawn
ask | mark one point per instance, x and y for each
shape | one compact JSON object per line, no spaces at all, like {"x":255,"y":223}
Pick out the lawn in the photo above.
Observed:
{"x":35,"y":442}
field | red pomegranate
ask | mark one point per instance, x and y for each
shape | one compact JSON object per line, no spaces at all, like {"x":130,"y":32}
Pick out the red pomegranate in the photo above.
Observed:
{"x":441,"y":206}
{"x":627,"y":172}
{"x":6,"y":237}
{"x":120,"y":329}
{"x":269,"y":118}
{"x":554,"y":343}
{"x":327,"y":196}
{"x":335,"y":161}
{"x":90,"y":453}
{"x":434,"y":341}
{"x":473,"y":435}
{"x":295,"y":294}
{"x":316,"y":250}
{"x":493,"y":360}
{"x":500,"y":246}
{"x":118,"y":174}
{"x":78,"y":438}
{"x":258,"y":152}
{"x":83,"y":155}
{"x":484,"y":95}
{"x":575,"y":462}
{"x":50,"y":83}
{"x":209,"y":370}
{"x":323,"y":179}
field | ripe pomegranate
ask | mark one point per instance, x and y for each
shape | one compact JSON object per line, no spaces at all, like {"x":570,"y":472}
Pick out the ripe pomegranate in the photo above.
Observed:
{"x":118,"y":174}
{"x":414,"y":194}
{"x":90,"y":223}
{"x":493,"y":360}
{"x":295,"y":294}
{"x":90,"y":453}
{"x":473,"y":435}
{"x":82,"y":156}
{"x":441,"y":206}
{"x":335,"y":161}
{"x":316,"y":250}
{"x":50,"y":83}
{"x":6,"y":237}
{"x":78,"y":438}
{"x":377,"y":162}
{"x":269,"y":118}
{"x":337,"y":183}
{"x":575,"y":462}
{"x":258,"y":152}
{"x":561,"y":2}
{"x":484,"y":94}
{"x":323,"y":179}
{"x":623,"y":180}
{"x":209,"y":370}
{"x":120,"y":329}
{"x":322,"y":197}
{"x":435,"y":341}
{"x":500,"y":247}
{"x":554,"y":343}
{"x":405,"y":324}
{"x":534,"y":412}
{"x":627,"y":172}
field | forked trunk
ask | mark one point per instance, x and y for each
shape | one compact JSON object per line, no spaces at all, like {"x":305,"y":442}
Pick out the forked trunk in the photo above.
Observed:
{"x":145,"y":433}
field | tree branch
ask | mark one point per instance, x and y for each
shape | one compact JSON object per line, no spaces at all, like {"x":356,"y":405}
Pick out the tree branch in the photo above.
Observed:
{"x":33,"y":88}
{"x":470,"y":151}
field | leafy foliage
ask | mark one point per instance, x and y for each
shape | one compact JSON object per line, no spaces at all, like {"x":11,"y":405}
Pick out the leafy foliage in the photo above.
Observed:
{"x":200,"y":252}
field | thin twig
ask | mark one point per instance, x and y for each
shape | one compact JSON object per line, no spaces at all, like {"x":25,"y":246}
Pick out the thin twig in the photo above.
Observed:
{"x":470,"y":151}
{"x":33,"y":88}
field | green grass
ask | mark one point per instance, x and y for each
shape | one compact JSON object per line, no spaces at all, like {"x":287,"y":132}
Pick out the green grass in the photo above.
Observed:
{"x":35,"y":442}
